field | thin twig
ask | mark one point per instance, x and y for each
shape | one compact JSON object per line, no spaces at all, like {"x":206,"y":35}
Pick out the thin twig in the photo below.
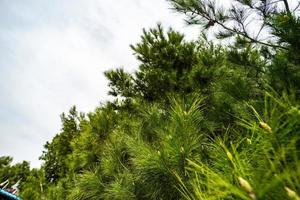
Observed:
{"x":261,"y":28}
{"x":297,"y":6}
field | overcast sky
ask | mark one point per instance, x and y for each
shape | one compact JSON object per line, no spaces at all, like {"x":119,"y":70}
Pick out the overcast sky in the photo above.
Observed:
{"x":53,"y":54}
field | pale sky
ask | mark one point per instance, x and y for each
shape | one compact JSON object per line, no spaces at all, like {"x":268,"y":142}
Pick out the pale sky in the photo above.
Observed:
{"x":53,"y":55}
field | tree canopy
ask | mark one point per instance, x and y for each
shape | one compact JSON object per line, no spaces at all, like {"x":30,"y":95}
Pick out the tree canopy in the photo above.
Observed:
{"x":202,"y":119}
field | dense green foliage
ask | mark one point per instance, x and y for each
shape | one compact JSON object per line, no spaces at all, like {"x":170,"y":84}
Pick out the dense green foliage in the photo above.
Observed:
{"x":196,"y":120}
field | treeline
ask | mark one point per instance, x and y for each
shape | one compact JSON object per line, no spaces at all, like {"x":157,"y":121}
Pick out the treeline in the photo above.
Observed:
{"x":197,"y":119}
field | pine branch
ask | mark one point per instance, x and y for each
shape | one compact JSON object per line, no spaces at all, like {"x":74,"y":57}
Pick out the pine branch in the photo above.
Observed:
{"x":208,"y":14}
{"x":287,"y":7}
{"x":245,"y":34}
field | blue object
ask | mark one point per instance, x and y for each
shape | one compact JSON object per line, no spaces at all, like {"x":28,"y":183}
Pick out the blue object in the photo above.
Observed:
{"x":7,"y":196}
